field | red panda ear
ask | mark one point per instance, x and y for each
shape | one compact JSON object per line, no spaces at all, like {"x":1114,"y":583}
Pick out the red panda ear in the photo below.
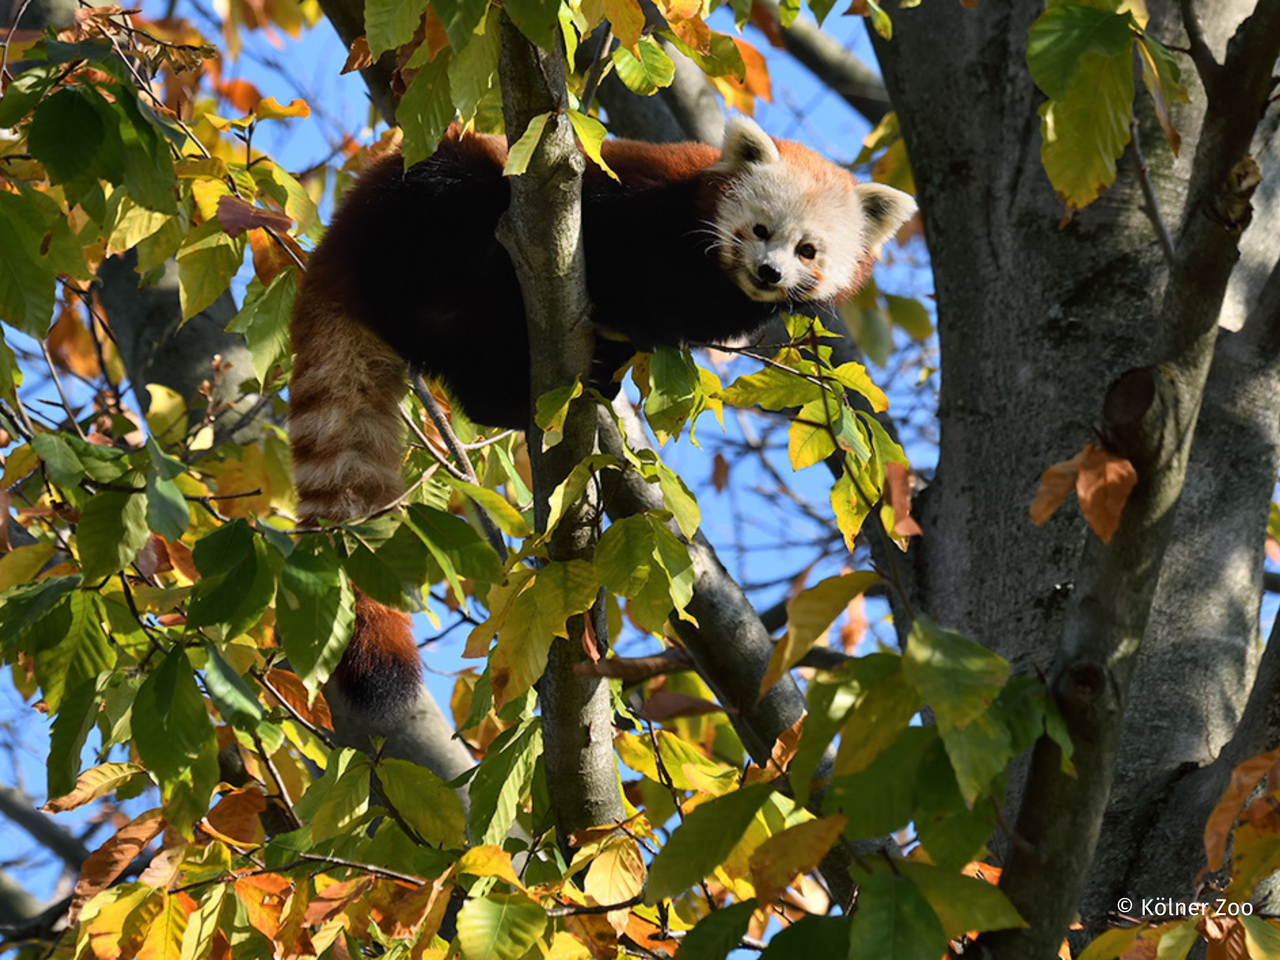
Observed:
{"x":884,"y":210}
{"x":745,"y":144}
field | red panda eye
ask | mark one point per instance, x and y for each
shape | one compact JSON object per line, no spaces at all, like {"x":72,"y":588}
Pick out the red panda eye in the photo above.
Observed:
{"x":806,"y":251}
{"x":761,"y":231}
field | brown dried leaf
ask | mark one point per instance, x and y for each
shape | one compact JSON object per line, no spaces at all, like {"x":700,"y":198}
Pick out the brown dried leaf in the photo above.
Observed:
{"x":720,"y":470}
{"x":359,"y":57}
{"x":665,"y":705}
{"x":898,"y":484}
{"x":1246,"y":775}
{"x":1103,"y":489}
{"x":290,"y":688}
{"x":105,"y":864}
{"x":236,"y":818}
{"x":236,"y":215}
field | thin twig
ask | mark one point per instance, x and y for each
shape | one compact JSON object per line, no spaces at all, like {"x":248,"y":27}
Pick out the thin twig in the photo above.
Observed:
{"x":574,"y":910}
{"x":1152,"y":206}
{"x":455,"y":448}
{"x":57,"y":382}
{"x":4,"y":48}
{"x":597,"y":69}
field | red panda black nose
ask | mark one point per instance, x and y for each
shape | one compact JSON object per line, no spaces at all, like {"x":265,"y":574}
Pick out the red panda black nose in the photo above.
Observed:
{"x":768,"y":273}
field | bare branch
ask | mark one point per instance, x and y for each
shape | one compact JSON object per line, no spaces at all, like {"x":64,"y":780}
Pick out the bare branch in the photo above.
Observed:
{"x":1206,"y":65}
{"x":1151,"y":204}
{"x":18,"y":808}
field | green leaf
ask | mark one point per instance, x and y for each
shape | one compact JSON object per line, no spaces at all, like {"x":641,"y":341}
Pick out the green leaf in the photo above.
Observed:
{"x":389,"y":24}
{"x":552,"y":409}
{"x":499,"y":509}
{"x":880,"y":799}
{"x":537,"y":20}
{"x":69,"y":459}
{"x":648,"y":73}
{"x":391,"y":571}
{"x":111,"y":531}
{"x":26,"y":283}
{"x":951,"y":831}
{"x":167,"y":510}
{"x":236,"y":580}
{"x":315,"y":610}
{"x":718,"y":933}
{"x":282,"y":187}
{"x":68,"y":733}
{"x":979,"y":751}
{"x":65,"y":135}
{"x":473,"y":71}
{"x":674,"y":392}
{"x":1162,"y":78}
{"x":880,"y":717}
{"x":501,"y":781}
{"x":772,"y":389}
{"x":23,"y":606}
{"x":956,"y":676}
{"x":1085,"y":132}
{"x":570,"y":489}
{"x":207,"y":260}
{"x":677,"y":498}
{"x":68,"y":646}
{"x":500,"y":926}
{"x":236,"y":703}
{"x":624,"y":556}
{"x":339,"y":800}
{"x":810,"y":936}
{"x":521,"y":151}
{"x":425,"y":802}
{"x":909,"y":315}
{"x":10,"y":372}
{"x":703,"y":840}
{"x":148,"y":165}
{"x":264,"y":320}
{"x":894,"y":920}
{"x":425,"y":110}
{"x":460,"y":19}
{"x":1061,"y":37}
{"x":809,"y":438}
{"x":961,"y":903}
{"x":25,"y":92}
{"x":171,"y":727}
{"x":453,"y":541}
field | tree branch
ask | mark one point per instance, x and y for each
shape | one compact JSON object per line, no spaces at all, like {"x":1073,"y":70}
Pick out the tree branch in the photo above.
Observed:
{"x":17,"y":807}
{"x":1148,"y":416}
{"x":542,"y":231}
{"x":855,"y":82}
{"x":1206,"y":65}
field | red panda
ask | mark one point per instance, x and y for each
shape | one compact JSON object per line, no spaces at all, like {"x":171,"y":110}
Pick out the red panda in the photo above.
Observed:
{"x":689,"y":244}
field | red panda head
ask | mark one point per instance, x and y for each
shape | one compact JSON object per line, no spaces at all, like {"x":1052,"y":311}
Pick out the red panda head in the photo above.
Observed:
{"x":791,"y":225}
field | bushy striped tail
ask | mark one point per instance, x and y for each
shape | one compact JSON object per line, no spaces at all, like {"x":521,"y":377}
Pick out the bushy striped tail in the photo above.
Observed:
{"x":348,"y":450}
{"x":344,"y":413}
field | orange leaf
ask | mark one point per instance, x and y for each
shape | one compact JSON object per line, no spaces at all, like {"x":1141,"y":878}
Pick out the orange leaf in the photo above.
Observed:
{"x":180,"y":557}
{"x":106,"y":863}
{"x":71,"y":345}
{"x":241,"y":94}
{"x":433,"y":34}
{"x":334,"y":899}
{"x":235,"y":818}
{"x":263,"y":898}
{"x":290,"y":689}
{"x":627,"y":20}
{"x":898,"y":483}
{"x":595,"y":933}
{"x":1103,"y":489}
{"x":269,"y":257}
{"x":1102,"y":481}
{"x":1244,"y":778}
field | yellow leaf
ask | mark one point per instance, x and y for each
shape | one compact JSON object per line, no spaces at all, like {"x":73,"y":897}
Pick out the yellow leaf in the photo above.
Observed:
{"x":268,"y":109}
{"x":617,"y":873}
{"x":489,"y":861}
{"x":777,"y":861}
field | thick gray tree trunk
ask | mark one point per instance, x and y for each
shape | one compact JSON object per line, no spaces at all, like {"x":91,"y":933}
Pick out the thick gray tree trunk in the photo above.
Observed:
{"x":1035,"y":319}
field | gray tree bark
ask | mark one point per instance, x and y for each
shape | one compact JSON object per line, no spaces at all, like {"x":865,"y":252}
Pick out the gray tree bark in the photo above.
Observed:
{"x":1035,"y":319}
